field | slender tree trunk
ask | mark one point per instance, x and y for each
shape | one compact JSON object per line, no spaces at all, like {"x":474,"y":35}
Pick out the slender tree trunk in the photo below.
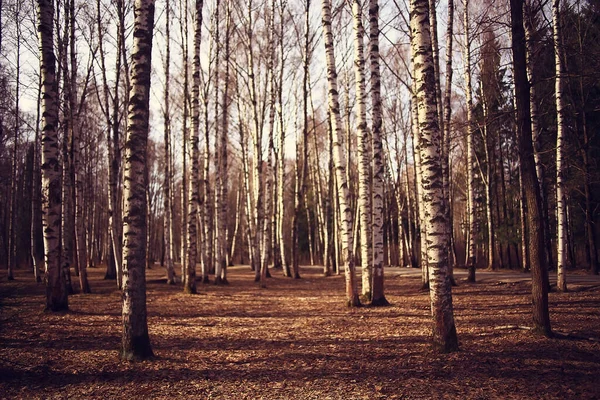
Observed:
{"x":67,"y":212}
{"x":472,"y":224}
{"x":221,"y":198}
{"x":339,"y":162}
{"x":192,"y":208}
{"x":539,"y":270}
{"x":35,"y":189}
{"x":364,"y":173}
{"x":444,"y":330}
{"x":12,"y":254}
{"x":446,"y":134}
{"x":419,"y":188}
{"x":561,"y":204}
{"x":377,"y":296}
{"x":79,"y":221}
{"x":168,"y":211}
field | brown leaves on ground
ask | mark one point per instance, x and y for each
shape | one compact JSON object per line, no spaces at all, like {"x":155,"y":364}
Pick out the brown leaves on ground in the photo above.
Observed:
{"x":296,"y":340}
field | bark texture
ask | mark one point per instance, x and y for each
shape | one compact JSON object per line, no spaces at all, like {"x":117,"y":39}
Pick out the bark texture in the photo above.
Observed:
{"x":56,"y":290}
{"x":561,"y":204}
{"x":539,"y":270}
{"x":135,"y":339}
{"x":377,"y":293}
{"x":444,"y":331}
{"x":339,"y":160}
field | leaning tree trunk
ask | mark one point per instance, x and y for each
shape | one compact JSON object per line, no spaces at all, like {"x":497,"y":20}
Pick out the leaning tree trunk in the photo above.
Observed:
{"x":56,"y":290}
{"x":339,"y":161}
{"x":561,"y":204}
{"x":364,"y":175}
{"x":471,"y":257}
{"x":436,"y":221}
{"x":539,"y":270}
{"x":136,"y":342}
{"x":377,"y":293}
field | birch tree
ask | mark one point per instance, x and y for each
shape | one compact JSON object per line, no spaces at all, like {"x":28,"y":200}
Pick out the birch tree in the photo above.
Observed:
{"x":364,"y":175}
{"x":56,"y":290}
{"x":444,"y":330}
{"x":472,"y":227}
{"x":339,"y":160}
{"x":561,"y":204}
{"x":192,"y":206}
{"x":222,"y":181}
{"x":168,"y":211}
{"x":135,"y":339}
{"x":377,"y":297}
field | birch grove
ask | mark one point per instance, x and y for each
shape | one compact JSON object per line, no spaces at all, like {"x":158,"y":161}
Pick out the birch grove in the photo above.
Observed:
{"x":295,"y":138}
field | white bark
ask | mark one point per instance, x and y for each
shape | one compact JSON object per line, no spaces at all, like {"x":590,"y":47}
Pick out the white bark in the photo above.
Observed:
{"x":471,"y":259}
{"x":56,"y":293}
{"x":561,"y":204}
{"x":339,"y":161}
{"x":135,"y":339}
{"x":444,"y":330}
{"x":378,"y":297}
{"x":364,"y":175}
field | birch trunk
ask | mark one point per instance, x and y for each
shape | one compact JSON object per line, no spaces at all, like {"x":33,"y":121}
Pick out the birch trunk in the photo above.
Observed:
{"x":184,"y":151}
{"x":135,"y":339}
{"x":339,"y":161}
{"x":281,"y":208}
{"x":561,"y":204}
{"x":56,"y":291}
{"x":419,"y":189}
{"x":168,"y":212}
{"x":67,"y":211}
{"x":364,"y":173}
{"x":192,"y":208}
{"x":444,"y":330}
{"x":79,"y":221}
{"x":221,"y":198}
{"x":378,"y":296}
{"x":472,"y":223}
{"x":447,"y":131}
{"x":35,"y":190}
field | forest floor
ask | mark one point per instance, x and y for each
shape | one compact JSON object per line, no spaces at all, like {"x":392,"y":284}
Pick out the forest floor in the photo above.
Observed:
{"x":296,"y":339}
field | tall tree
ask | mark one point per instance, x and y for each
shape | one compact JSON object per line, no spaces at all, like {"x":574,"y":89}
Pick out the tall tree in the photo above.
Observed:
{"x":444,"y":330}
{"x":339,"y":161}
{"x":56,"y":290}
{"x":168,"y":201}
{"x":222,"y":181}
{"x":192,"y":206}
{"x":561,"y":204}
{"x":472,"y":227}
{"x":135,"y":339}
{"x":364,"y":173}
{"x":377,"y":296}
{"x":539,"y":270}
